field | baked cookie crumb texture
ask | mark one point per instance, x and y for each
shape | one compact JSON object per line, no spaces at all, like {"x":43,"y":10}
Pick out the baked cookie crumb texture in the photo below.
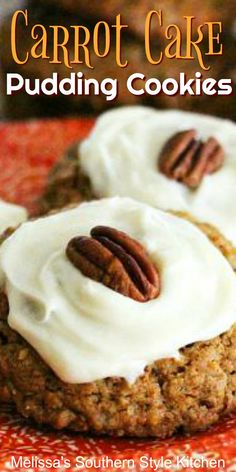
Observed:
{"x":134,"y":152}
{"x":188,"y":394}
{"x":66,"y":185}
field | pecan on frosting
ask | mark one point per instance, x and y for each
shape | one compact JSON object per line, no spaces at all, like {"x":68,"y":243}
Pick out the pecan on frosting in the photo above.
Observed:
{"x":116,"y":260}
{"x":188,"y":160}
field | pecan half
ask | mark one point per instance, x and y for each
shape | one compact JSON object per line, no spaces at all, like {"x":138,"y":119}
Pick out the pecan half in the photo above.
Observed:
{"x":187,"y":160}
{"x":119,"y":262}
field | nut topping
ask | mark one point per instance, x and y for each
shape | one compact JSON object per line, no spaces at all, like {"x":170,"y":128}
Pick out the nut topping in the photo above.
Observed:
{"x":187,"y":160}
{"x":119,"y":262}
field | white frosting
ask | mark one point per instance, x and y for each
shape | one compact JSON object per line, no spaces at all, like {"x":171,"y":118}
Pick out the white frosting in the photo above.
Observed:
{"x":11,"y":215}
{"x":86,"y":331}
{"x":121,"y":154}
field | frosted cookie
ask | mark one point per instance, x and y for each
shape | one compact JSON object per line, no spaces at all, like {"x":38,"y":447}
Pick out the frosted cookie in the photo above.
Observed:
{"x":124,"y":156}
{"x":122,"y":321}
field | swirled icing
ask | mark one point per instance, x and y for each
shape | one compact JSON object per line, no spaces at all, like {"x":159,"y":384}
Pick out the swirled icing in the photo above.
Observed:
{"x":85,"y":331}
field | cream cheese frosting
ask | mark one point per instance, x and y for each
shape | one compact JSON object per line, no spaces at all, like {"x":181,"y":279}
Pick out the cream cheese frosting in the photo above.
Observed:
{"x":11,"y":215}
{"x":85,"y":331}
{"x":121,"y":158}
